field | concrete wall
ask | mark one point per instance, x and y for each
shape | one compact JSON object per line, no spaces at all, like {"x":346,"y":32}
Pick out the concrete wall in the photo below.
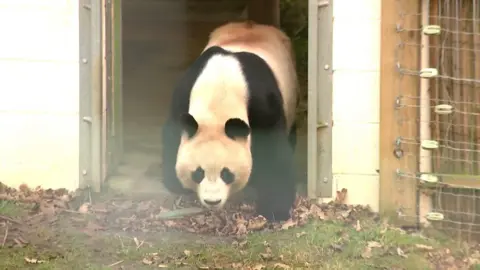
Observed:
{"x":39,"y":93}
{"x":356,"y":89}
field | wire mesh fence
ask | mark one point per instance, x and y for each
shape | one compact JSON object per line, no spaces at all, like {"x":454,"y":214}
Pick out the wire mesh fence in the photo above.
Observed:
{"x":438,"y":143}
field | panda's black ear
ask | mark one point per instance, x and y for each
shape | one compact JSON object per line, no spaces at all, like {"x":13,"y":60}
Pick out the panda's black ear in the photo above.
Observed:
{"x":189,"y":124}
{"x":236,"y":128}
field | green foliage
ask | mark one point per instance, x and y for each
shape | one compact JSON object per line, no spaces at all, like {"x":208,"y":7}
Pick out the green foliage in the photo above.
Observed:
{"x":294,"y":21}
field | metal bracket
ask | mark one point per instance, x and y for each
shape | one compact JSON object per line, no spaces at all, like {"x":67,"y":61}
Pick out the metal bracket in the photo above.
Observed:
{"x":323,"y":3}
{"x":322,"y":125}
{"x":398,"y":151}
{"x":398,"y":102}
{"x":87,"y":119}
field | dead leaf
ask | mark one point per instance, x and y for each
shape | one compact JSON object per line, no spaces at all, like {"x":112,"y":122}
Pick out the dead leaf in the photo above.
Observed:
{"x":317,"y":212}
{"x":373,"y":244}
{"x":91,"y":226}
{"x":346,"y":214}
{"x":401,"y":253}
{"x":241,"y":229}
{"x":84,"y":208}
{"x":47,"y":208}
{"x":289,"y":224}
{"x":65,"y":198}
{"x":266,"y":256}
{"x":341,"y":196}
{"x":236,"y":265}
{"x":336,"y":247}
{"x":33,"y":261}
{"x":147,"y":261}
{"x":367,"y":253}
{"x":281,"y":266}
{"x":257,"y":223}
{"x":300,"y":234}
{"x":423,"y":247}
{"x":357,"y":226}
{"x":258,"y":267}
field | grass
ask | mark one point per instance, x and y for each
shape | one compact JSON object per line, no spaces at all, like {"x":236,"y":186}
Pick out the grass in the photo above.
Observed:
{"x":319,"y":245}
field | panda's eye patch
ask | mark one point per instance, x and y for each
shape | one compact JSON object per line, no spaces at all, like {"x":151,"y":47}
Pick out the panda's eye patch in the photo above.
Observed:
{"x":227,"y":176}
{"x":198,"y":175}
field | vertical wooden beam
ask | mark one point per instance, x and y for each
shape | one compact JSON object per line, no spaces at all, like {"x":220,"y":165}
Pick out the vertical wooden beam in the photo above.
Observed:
{"x":398,"y":193}
{"x":117,"y":81}
{"x":264,"y":11}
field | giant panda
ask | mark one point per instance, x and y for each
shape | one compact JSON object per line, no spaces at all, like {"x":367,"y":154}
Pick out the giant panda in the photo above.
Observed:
{"x":232,"y":121}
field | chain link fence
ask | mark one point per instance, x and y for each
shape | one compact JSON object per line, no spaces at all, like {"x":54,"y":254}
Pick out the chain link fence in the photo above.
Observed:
{"x":443,"y":112}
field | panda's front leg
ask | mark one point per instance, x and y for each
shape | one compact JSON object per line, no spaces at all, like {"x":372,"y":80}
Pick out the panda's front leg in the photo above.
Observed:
{"x":274,"y":174}
{"x":170,"y":144}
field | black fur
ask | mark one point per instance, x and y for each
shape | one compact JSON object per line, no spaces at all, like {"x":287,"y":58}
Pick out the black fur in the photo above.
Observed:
{"x":236,"y":128}
{"x":272,"y":147}
{"x":189,"y":124}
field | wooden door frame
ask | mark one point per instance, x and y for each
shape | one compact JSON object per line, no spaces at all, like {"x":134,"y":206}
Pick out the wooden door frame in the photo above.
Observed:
{"x":112,"y":117}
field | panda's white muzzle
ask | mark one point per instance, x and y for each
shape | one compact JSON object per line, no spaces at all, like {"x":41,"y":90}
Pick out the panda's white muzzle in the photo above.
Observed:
{"x":213,"y":193}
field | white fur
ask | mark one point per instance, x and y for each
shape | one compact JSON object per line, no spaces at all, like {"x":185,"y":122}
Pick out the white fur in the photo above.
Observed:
{"x":270,"y":44}
{"x":220,"y":92}
{"x":213,"y":190}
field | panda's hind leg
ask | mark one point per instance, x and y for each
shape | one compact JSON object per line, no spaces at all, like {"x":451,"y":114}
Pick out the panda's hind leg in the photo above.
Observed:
{"x":274,"y":176}
{"x":292,"y":136}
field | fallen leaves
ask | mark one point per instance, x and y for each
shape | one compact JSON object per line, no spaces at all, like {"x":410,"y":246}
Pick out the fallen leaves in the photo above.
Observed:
{"x":186,"y":214}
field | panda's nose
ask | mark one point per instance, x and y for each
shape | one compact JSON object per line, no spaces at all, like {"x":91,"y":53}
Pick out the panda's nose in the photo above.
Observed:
{"x":212,"y":203}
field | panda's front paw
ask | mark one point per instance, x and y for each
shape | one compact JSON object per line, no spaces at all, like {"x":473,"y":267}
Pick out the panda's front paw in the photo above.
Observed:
{"x":272,"y":215}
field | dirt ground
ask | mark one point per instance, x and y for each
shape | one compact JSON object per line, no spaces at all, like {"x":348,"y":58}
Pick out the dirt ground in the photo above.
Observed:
{"x":47,"y":229}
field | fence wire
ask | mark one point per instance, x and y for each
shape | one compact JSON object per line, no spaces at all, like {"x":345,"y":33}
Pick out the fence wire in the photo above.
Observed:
{"x":442,"y":114}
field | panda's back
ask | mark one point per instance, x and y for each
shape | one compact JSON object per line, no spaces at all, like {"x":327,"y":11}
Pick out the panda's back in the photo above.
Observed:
{"x":269,"y":44}
{"x":220,"y":92}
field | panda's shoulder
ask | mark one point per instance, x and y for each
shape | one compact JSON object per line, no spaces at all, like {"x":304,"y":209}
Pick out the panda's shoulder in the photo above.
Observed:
{"x":206,"y":56}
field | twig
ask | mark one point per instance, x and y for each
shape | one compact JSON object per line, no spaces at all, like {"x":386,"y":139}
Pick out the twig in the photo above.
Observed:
{"x":5,"y":237}
{"x":9,"y":219}
{"x":90,"y":195}
{"x":141,"y":243}
{"x":115,"y":263}
{"x":121,"y":242}
{"x":180,"y":213}
{"x":75,"y":212}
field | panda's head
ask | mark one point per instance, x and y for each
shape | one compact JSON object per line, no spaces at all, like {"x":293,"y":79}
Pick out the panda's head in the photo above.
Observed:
{"x":214,"y":160}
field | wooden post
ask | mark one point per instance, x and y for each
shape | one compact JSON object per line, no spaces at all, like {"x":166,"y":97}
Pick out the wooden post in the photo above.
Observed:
{"x":397,"y":192}
{"x":264,"y":11}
